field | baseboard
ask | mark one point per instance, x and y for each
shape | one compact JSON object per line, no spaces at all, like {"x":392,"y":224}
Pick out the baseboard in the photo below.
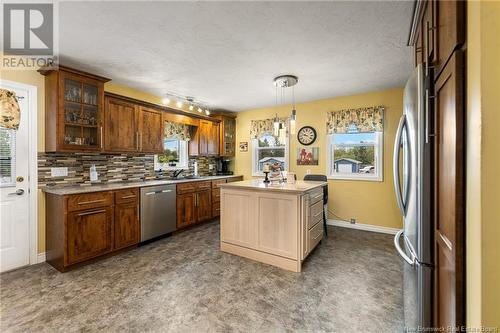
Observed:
{"x":365,"y":227}
{"x":40,"y":257}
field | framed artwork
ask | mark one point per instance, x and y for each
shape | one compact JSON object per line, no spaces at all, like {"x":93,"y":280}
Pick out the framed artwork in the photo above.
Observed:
{"x":307,"y":156}
{"x":243,"y":146}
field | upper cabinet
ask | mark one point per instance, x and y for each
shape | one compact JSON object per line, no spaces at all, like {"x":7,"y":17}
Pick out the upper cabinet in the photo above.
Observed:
{"x":80,"y":117}
{"x":129,"y":127}
{"x":74,"y":103}
{"x":205,"y":139}
{"x":227,"y":135}
{"x":121,"y":130}
{"x":150,"y":131}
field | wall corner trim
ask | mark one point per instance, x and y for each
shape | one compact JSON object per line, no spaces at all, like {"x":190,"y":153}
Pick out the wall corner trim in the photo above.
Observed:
{"x":360,"y":226}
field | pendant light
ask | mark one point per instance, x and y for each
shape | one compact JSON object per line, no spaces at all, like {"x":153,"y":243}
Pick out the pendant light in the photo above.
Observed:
{"x":282,"y":82}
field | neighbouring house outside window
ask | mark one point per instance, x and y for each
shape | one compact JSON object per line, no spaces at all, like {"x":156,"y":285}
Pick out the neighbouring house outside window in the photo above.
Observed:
{"x":355,"y":144}
{"x":267,"y":149}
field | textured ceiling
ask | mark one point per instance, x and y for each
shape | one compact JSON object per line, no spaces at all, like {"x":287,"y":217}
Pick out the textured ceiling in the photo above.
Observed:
{"x":227,"y":53}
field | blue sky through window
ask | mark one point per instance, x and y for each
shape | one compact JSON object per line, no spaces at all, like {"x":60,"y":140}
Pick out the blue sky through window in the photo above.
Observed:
{"x":354,"y":138}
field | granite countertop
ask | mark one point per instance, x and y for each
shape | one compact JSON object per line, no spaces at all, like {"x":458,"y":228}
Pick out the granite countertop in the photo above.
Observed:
{"x":299,"y":187}
{"x":79,"y":189}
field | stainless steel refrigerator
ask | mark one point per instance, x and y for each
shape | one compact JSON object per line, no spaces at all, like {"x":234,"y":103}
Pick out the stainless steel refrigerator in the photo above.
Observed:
{"x":412,"y":183}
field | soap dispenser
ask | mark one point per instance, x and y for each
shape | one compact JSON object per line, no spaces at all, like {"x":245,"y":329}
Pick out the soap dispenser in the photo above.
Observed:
{"x":93,"y":173}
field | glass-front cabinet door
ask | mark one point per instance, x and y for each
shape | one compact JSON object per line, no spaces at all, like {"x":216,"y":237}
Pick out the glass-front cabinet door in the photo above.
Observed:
{"x":228,"y":136}
{"x":81,"y":110}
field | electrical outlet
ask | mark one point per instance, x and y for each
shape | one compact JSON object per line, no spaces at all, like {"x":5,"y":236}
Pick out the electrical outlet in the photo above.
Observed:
{"x":210,"y":167}
{"x":308,"y":171}
{"x":59,"y":172}
{"x":353,"y":221}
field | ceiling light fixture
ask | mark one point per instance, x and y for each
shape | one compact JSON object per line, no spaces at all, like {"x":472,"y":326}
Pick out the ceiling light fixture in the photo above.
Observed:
{"x":281,"y":83}
{"x":207,"y":112}
{"x":165,"y":101}
{"x":179,"y":104}
{"x":199,"y":109}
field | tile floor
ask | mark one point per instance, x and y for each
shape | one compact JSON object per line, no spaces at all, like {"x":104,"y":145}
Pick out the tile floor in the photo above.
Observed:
{"x":351,"y":283}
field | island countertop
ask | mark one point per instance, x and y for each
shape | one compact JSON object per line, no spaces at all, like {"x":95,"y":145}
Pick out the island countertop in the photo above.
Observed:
{"x":298,"y":187}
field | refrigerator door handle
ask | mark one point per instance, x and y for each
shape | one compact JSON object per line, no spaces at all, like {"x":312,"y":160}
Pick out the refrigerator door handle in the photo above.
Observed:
{"x":395,"y":165}
{"x":410,"y":261}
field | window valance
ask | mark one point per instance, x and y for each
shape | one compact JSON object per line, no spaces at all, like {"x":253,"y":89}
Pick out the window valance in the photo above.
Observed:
{"x":177,"y":130}
{"x":263,"y":126}
{"x":368,"y":119}
{"x":10,"y":114}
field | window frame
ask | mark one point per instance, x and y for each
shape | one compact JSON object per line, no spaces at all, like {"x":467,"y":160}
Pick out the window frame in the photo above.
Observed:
{"x":378,"y":159}
{"x":183,"y":163}
{"x":255,"y":154}
{"x":12,"y":160}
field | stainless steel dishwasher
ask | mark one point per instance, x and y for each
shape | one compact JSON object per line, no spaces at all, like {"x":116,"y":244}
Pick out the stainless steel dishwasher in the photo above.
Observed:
{"x":158,"y":211}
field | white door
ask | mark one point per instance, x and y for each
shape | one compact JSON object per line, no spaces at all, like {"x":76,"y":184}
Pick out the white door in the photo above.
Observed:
{"x":14,"y":189}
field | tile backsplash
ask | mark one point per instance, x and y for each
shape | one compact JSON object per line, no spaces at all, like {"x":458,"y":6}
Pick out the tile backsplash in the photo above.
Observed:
{"x":110,"y":168}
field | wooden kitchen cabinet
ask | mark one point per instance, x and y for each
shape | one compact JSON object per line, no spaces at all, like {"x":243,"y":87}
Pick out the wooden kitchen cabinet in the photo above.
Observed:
{"x":194,"y":203}
{"x":150,"y":131}
{"x":82,"y":227}
{"x":89,"y":234}
{"x":127,"y":228}
{"x":186,"y":210}
{"x":121,"y":130}
{"x":205,"y":139}
{"x":227,"y":135}
{"x":74,"y":102}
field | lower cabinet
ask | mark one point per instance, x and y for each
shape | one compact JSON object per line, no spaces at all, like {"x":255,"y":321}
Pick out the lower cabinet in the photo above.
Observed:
{"x":185,"y":210}
{"x":89,"y":234}
{"x":194,"y":203}
{"x":84,"y":227}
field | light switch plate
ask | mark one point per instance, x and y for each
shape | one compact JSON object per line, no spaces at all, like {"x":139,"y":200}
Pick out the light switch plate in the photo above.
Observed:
{"x":59,"y":172}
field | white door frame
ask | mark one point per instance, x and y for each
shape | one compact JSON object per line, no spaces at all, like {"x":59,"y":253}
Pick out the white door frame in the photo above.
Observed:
{"x":32,"y":161}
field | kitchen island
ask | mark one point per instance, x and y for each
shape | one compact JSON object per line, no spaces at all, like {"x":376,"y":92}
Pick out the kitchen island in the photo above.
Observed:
{"x":277,"y":224}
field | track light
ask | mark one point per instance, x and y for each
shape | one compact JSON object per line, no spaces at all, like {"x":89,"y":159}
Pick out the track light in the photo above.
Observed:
{"x":200,"y":110}
{"x":165,"y":101}
{"x":191,"y":107}
{"x":179,"y":104}
{"x":207,"y":112}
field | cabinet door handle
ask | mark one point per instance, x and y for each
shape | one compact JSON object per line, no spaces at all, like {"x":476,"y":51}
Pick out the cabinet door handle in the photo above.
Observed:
{"x":90,"y":202}
{"x":102,"y":145}
{"x":136,"y":140}
{"x":129,"y":196}
{"x":140,"y":141}
{"x":196,"y":200}
{"x":92,"y":212}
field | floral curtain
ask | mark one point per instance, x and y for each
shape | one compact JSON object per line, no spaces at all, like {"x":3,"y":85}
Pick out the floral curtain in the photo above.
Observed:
{"x":263,"y":126}
{"x":178,"y":130}
{"x":10,"y":114}
{"x":368,"y":119}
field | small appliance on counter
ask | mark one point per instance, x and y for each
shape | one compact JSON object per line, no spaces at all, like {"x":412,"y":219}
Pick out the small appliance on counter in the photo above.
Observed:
{"x":222,"y":166}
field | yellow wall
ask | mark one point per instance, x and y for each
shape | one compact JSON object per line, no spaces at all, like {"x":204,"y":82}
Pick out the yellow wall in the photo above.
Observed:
{"x":483,"y":158}
{"x":369,"y":202}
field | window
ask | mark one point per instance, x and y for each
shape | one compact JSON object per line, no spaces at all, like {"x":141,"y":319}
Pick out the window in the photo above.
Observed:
{"x":268,"y":150}
{"x":175,"y":156}
{"x":7,"y":157}
{"x":356,"y":156}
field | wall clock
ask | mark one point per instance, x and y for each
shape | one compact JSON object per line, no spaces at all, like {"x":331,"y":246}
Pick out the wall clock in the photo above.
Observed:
{"x":307,"y":135}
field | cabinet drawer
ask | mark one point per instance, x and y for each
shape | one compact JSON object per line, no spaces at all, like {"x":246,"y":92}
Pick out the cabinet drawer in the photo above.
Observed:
{"x":215,"y":183}
{"x":203,"y":185}
{"x":89,"y":200}
{"x":315,"y":235}
{"x":216,"y":195}
{"x":128,"y":195}
{"x":215,"y":209}
{"x":316,"y":195}
{"x":186,"y":188}
{"x":315,"y":214}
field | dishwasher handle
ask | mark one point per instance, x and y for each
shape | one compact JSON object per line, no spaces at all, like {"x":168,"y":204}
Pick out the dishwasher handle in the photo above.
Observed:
{"x":158,"y":192}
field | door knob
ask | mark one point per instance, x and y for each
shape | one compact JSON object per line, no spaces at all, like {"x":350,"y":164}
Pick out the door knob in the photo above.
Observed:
{"x":18,"y":192}
{"x":19,"y":179}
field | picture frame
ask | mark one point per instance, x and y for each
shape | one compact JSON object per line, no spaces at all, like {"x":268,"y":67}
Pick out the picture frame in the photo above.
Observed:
{"x":244,"y":146}
{"x":307,"y":156}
